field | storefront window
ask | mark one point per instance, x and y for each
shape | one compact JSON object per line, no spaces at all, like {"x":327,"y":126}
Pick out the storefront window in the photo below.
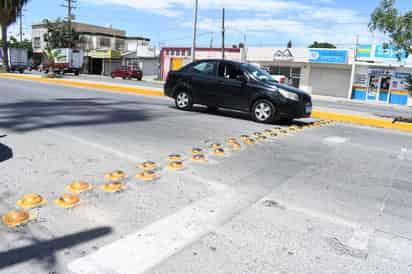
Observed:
{"x":291,"y":73}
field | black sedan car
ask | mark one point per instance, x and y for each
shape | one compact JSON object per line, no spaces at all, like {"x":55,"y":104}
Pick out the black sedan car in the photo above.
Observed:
{"x":238,"y":86}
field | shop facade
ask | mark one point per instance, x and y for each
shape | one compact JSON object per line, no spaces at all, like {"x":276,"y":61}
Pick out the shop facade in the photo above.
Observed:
{"x":380,"y":75}
{"x":377,"y":74}
{"x":318,"y":71}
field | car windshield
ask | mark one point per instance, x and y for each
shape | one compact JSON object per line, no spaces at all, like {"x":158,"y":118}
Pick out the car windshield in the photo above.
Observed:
{"x":259,"y":73}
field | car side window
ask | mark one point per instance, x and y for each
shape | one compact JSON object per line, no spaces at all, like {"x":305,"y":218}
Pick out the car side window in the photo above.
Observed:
{"x":205,"y":68}
{"x":229,"y":71}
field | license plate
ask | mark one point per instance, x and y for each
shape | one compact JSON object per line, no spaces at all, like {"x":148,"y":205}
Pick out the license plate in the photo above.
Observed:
{"x":308,"y":109}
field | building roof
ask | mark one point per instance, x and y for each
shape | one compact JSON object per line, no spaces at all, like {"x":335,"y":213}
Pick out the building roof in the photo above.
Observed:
{"x":89,"y":29}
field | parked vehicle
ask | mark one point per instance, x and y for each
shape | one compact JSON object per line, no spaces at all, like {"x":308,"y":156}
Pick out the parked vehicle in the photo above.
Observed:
{"x":65,"y":60}
{"x":128,"y":73}
{"x":238,"y":86}
{"x":18,"y":59}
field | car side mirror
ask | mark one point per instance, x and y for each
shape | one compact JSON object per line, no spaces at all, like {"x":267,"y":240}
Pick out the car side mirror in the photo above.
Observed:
{"x":242,"y":78}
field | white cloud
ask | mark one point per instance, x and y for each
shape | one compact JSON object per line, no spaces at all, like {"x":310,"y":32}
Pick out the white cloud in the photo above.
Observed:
{"x":304,"y":21}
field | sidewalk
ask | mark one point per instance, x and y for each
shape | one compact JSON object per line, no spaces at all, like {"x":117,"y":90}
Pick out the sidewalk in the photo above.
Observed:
{"x":345,"y":100}
{"x":342,"y":115}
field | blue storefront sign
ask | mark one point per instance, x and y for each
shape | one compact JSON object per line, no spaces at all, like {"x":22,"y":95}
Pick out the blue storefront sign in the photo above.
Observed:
{"x":389,"y":52}
{"x":402,"y":75}
{"x":380,"y":53}
{"x":328,"y":56}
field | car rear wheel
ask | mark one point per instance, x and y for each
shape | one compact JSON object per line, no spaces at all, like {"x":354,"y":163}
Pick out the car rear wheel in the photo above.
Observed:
{"x":263,"y":111}
{"x":183,"y":100}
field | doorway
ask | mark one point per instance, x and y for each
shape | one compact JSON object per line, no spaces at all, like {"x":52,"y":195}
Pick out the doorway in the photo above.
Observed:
{"x":379,"y":88}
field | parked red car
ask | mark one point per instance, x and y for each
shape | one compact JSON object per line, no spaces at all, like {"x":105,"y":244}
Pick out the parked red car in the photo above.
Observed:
{"x":128,"y":73}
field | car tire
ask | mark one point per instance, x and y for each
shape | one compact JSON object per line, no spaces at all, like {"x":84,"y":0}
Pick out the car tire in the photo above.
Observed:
{"x":263,"y":111}
{"x":183,"y":100}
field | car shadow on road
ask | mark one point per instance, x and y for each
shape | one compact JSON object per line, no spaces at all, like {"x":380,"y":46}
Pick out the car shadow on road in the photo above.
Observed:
{"x":6,"y":153}
{"x":30,"y":115}
{"x":45,"y":250}
{"x":239,"y":115}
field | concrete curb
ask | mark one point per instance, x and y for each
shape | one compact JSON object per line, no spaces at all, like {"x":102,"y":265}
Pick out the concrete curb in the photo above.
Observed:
{"x":361,"y":120}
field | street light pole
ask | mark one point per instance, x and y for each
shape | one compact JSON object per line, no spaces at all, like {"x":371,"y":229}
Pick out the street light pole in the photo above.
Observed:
{"x":195,"y":8}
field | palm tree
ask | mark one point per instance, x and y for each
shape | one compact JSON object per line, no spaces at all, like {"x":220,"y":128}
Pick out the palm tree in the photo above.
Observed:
{"x":410,"y":85}
{"x":9,"y":10}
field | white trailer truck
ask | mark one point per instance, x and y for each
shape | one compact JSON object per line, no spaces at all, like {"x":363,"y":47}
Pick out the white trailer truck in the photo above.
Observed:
{"x":65,"y":60}
{"x":18,"y":59}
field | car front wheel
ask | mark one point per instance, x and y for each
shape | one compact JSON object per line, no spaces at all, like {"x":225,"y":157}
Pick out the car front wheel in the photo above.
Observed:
{"x":183,"y":100}
{"x":263,"y":111}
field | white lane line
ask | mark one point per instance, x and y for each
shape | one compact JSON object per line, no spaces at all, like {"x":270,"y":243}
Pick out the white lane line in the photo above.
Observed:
{"x":148,"y":247}
{"x":105,"y":148}
{"x":318,"y":215}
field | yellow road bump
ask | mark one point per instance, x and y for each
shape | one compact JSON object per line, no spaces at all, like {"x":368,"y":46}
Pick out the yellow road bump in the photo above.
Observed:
{"x":115,"y":175}
{"x":267,"y":132}
{"x":274,"y":134}
{"x":197,"y":151}
{"x":244,"y":137}
{"x":215,"y":145}
{"x":249,"y":141}
{"x":16,"y":218}
{"x":174,"y":157}
{"x":219,"y":151}
{"x":113,"y":187}
{"x":79,"y":187}
{"x":257,"y":134}
{"x":67,"y":201}
{"x":29,"y":201}
{"x":283,"y":131}
{"x":199,"y":158}
{"x":261,"y":138}
{"x":231,"y":140}
{"x":148,"y":175}
{"x":176,"y":165}
{"x":148,"y":165}
{"x":235,"y":146}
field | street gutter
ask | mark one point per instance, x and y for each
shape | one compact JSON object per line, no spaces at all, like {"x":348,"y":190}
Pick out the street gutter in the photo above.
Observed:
{"x":317,"y":113}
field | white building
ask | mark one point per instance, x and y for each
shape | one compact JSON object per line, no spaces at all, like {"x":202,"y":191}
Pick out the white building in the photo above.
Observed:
{"x":104,"y":47}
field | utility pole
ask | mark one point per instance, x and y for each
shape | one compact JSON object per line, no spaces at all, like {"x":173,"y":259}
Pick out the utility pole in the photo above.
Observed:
{"x":21,"y":24}
{"x":195,"y":8}
{"x":70,"y":5}
{"x":223,"y":33}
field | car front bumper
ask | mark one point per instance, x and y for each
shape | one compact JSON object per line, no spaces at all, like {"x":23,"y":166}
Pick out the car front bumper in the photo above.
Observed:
{"x":295,"y":109}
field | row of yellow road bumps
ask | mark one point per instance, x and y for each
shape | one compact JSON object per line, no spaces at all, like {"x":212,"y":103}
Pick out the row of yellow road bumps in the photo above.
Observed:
{"x":148,"y":171}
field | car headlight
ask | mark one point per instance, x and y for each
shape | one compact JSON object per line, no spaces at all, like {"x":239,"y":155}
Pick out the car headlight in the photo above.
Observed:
{"x":289,"y":95}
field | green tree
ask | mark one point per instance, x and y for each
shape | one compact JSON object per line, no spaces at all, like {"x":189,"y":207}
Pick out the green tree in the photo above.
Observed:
{"x":59,"y":34}
{"x":397,"y":26}
{"x":322,"y":45}
{"x":9,"y":10}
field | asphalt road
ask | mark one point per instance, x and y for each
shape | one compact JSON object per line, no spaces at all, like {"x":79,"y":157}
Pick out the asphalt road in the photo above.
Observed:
{"x":379,"y":110}
{"x":333,"y":199}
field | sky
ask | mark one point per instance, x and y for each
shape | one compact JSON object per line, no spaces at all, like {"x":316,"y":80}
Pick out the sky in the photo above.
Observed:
{"x":267,"y":23}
